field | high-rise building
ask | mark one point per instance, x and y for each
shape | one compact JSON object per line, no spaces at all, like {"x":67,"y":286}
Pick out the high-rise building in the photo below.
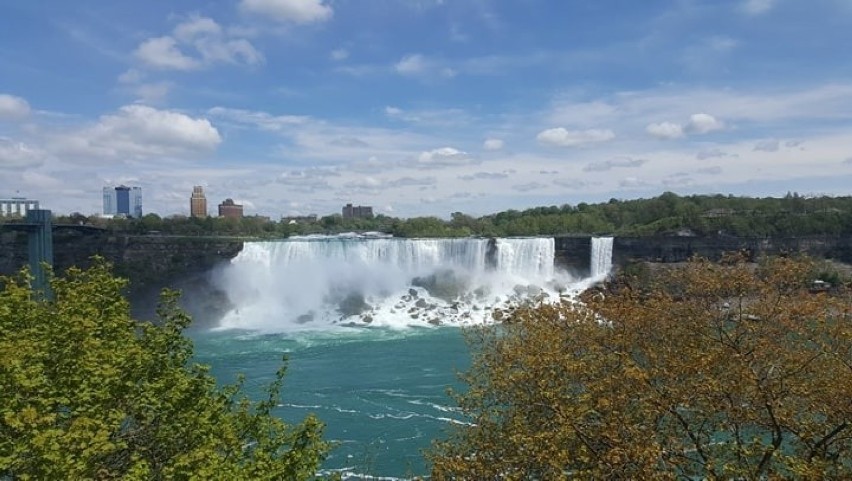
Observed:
{"x":198,"y":203}
{"x":123,"y":200}
{"x":357,"y":211}
{"x":17,"y":207}
{"x":229,"y":209}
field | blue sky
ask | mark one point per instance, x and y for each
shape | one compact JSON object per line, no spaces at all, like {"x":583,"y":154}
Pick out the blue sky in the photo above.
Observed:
{"x":422,"y":107}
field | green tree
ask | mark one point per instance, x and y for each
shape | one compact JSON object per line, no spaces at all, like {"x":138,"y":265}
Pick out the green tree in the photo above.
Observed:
{"x":717,"y":372}
{"x":88,"y":393}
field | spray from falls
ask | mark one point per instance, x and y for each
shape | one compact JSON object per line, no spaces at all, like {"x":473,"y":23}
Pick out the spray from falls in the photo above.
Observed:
{"x":330,"y":281}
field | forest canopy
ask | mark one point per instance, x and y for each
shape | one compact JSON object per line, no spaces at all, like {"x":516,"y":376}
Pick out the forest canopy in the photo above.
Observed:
{"x":792,"y":215}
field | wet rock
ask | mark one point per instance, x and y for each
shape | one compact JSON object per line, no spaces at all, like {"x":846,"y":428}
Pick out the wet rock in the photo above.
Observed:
{"x":435,"y":321}
{"x":481,"y":293}
{"x":444,"y":284}
{"x":306,"y":318}
{"x":415,"y":316}
{"x":352,"y":305}
{"x":367,"y":318}
{"x":421,"y":303}
{"x":413,"y":293}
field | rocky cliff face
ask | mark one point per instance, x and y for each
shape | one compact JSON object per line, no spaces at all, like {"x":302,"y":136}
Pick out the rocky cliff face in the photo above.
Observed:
{"x":150,"y":263}
{"x":573,"y":252}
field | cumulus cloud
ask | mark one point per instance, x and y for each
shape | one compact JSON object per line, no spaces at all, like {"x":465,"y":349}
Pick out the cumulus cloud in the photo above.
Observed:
{"x":493,"y":144}
{"x":13,"y":108}
{"x":757,"y":7}
{"x":625,"y":162}
{"x":163,"y":53}
{"x":141,"y":132}
{"x":208,"y":43}
{"x":562,"y":137}
{"x":768,"y":145}
{"x":665,"y":130}
{"x":444,"y":157}
{"x":703,"y":123}
{"x":697,"y":124}
{"x":18,"y":155}
{"x":289,"y":11}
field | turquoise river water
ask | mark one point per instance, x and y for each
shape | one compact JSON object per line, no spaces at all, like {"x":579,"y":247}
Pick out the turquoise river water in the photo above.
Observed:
{"x":381,"y":392}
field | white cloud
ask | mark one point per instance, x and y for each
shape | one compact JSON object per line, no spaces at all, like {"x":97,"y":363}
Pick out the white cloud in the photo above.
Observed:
{"x":665,"y":130}
{"x":139,"y":132}
{"x":769,"y":145}
{"x":208,"y":42}
{"x":625,"y":162}
{"x":261,"y":120}
{"x":757,"y":7}
{"x":339,"y":54}
{"x":703,"y":123}
{"x":16,"y":155}
{"x":562,"y":137}
{"x":444,"y":157}
{"x":393,"y":111}
{"x":163,"y":53}
{"x":12,"y":107}
{"x":493,"y":144}
{"x":697,"y":124}
{"x":289,"y":11}
{"x":416,"y":65}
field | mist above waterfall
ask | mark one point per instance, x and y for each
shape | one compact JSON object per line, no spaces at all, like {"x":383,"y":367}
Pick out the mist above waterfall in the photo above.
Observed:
{"x":327,"y":282}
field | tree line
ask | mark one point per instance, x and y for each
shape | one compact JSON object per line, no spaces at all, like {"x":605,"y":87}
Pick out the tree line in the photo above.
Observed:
{"x":793,"y":215}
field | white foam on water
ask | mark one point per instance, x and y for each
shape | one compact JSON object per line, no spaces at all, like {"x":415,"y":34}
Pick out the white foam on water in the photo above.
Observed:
{"x":306,"y":284}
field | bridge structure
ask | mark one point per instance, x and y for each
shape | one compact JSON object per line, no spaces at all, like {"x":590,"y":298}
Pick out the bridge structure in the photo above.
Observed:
{"x":39,"y":228}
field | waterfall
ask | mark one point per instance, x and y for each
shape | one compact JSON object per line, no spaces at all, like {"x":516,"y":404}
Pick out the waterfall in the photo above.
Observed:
{"x":311,"y":282}
{"x":601,"y":257}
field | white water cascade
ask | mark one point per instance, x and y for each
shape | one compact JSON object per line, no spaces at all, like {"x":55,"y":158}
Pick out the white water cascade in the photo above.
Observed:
{"x":601,"y":260}
{"x":318,"y":283}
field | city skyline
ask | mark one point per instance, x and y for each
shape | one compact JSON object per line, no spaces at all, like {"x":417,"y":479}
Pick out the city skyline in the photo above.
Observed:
{"x":423,"y":107}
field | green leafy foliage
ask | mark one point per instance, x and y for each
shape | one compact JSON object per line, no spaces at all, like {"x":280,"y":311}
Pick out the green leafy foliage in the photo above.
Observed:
{"x":792,"y":215}
{"x":86,"y":392}
{"x":722,"y":371}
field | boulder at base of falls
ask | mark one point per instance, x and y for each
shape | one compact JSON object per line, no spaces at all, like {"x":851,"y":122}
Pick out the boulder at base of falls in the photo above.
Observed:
{"x":412,"y":293}
{"x":352,"y":305}
{"x":444,"y":284}
{"x":421,"y":303}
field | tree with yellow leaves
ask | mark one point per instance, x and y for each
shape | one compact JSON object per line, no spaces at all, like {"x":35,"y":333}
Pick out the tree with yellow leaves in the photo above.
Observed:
{"x":722,"y":371}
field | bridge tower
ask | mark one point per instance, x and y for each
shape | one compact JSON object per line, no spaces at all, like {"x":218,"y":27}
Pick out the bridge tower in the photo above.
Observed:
{"x":40,"y":233}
